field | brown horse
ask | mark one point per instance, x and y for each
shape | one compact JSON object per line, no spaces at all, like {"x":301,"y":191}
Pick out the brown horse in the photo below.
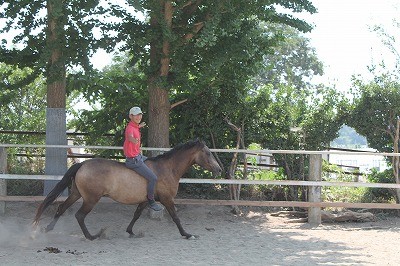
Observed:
{"x":95,"y":178}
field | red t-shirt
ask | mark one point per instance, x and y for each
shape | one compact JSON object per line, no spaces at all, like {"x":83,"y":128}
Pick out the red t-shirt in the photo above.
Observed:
{"x":132,"y":149}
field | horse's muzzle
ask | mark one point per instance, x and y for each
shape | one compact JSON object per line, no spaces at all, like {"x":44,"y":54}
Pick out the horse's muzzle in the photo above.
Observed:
{"x":216,"y":171}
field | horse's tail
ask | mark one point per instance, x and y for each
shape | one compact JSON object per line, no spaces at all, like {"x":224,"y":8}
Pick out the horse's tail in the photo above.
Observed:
{"x":57,"y":190}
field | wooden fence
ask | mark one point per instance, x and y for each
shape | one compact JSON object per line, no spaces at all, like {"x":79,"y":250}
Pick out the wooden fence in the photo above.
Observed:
{"x":314,"y":182}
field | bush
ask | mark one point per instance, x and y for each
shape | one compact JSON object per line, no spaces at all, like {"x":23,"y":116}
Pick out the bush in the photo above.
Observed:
{"x":381,"y":195}
{"x":25,"y":165}
{"x":340,"y":194}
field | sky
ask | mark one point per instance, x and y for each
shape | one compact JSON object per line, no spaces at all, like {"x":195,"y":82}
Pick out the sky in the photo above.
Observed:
{"x":343,"y":39}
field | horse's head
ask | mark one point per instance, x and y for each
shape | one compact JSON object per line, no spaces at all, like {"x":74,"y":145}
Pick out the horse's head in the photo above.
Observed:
{"x":206,"y":159}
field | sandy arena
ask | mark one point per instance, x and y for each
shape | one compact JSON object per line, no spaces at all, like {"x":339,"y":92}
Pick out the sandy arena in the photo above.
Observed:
{"x":255,"y":238}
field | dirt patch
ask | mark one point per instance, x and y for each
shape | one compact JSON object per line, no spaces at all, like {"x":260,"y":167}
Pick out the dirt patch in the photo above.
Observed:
{"x":254,"y":238}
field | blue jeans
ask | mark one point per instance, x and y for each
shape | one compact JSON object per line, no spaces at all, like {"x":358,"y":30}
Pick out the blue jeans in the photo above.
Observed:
{"x":137,"y":164}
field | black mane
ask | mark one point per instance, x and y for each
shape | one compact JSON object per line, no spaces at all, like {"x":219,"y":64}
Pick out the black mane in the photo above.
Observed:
{"x":179,"y":147}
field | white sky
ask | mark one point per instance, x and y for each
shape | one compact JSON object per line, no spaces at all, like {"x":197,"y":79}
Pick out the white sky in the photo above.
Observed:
{"x":343,"y":40}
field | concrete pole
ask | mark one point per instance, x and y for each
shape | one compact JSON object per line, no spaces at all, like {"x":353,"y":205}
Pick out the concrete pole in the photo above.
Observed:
{"x":314,"y":192}
{"x":3,"y":182}
{"x":56,"y":158}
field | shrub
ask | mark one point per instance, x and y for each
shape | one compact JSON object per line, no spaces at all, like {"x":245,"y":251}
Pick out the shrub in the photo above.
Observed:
{"x":380,"y":194}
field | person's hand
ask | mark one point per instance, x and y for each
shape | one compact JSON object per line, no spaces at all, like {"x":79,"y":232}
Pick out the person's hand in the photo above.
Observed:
{"x":143,"y":124}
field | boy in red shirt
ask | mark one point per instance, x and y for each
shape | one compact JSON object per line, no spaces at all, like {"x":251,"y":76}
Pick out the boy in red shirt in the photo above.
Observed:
{"x":134,"y":158}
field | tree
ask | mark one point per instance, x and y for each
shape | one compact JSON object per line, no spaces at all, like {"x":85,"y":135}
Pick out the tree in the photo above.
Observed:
{"x":182,"y":34}
{"x":22,"y":104}
{"x":293,"y":62}
{"x":376,"y":115}
{"x":110,"y":94}
{"x":47,"y":44}
{"x":176,"y":34}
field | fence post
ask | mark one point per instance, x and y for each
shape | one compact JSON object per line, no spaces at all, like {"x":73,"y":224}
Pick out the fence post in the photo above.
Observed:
{"x":3,"y":182}
{"x":314,"y":192}
{"x":56,"y":158}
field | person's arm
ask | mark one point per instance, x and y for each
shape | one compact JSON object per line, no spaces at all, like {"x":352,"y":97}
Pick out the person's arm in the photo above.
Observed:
{"x":132,"y":139}
{"x":130,"y":136}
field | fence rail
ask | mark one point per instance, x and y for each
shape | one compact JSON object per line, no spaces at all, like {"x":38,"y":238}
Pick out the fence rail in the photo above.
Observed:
{"x":233,"y":181}
{"x":314,"y":184}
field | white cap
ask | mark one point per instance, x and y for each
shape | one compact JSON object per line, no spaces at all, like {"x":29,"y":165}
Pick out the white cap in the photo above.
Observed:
{"x":135,"y":111}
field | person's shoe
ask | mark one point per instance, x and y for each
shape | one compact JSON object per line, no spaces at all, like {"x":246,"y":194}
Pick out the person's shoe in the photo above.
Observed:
{"x":155,"y":206}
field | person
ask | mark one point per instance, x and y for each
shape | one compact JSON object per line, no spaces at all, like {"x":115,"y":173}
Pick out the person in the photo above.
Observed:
{"x":134,"y":158}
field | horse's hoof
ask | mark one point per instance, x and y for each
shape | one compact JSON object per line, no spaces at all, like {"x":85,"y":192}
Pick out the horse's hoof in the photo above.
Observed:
{"x":35,"y":232}
{"x":192,"y":237}
{"x":140,"y":235}
{"x":102,"y":233}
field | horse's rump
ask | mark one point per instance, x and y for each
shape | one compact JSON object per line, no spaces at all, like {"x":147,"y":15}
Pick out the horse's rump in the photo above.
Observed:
{"x":102,"y":177}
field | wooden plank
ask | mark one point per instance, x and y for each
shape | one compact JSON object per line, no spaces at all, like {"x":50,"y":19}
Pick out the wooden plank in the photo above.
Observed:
{"x":233,"y":181}
{"x":233,"y":202}
{"x":390,"y":154}
{"x":30,"y":177}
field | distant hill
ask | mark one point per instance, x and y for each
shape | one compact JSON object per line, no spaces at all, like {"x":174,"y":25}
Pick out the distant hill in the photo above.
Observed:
{"x":349,"y":138}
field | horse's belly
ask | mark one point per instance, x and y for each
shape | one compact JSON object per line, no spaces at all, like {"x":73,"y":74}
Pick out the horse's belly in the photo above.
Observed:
{"x":131,"y":190}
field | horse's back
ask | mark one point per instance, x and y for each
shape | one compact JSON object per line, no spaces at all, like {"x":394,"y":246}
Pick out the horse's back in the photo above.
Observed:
{"x":102,"y":177}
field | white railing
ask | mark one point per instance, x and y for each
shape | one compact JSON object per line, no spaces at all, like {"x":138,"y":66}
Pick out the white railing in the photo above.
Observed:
{"x":314,"y":182}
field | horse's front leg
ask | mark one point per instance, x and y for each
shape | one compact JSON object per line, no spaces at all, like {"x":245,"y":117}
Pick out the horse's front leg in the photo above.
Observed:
{"x":170,"y":206}
{"x":136,"y":216}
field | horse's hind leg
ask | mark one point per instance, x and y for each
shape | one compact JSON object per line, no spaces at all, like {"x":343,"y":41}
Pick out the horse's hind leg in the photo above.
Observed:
{"x":63,"y":207}
{"x":136,"y":216}
{"x":80,"y":217}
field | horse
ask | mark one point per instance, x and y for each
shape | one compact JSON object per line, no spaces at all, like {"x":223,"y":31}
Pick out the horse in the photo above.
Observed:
{"x":98,"y":177}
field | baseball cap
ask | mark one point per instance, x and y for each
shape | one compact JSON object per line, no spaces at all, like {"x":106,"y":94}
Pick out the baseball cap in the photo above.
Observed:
{"x":135,"y":111}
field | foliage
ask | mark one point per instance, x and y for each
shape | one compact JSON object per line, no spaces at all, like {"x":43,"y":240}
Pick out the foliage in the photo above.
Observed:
{"x":340,"y":194}
{"x":110,"y":94}
{"x":266,"y":192}
{"x":25,"y":165}
{"x":376,"y":110}
{"x":202,"y":191}
{"x":294,"y":61}
{"x":23,"y":106}
{"x":184,"y":46}
{"x":26,"y":22}
{"x":380,"y":194}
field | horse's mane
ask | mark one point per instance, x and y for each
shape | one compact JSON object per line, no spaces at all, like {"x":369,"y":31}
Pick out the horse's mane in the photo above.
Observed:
{"x":179,"y":147}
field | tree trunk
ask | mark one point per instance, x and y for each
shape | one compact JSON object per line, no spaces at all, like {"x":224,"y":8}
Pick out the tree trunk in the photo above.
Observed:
{"x":159,"y":105}
{"x":56,"y":158}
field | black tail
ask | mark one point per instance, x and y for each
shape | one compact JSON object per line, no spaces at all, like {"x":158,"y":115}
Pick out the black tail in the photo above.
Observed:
{"x":57,"y":190}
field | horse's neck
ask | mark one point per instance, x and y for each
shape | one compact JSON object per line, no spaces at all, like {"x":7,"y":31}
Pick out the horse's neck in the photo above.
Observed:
{"x":180,"y":164}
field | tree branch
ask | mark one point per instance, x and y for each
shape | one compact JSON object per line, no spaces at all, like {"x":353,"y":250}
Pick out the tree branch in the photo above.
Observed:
{"x":178,"y":103}
{"x":232,"y":125}
{"x":190,"y":6}
{"x":196,"y":28}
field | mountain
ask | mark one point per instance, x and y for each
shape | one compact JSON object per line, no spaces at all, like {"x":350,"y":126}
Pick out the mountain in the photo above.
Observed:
{"x":349,"y":138}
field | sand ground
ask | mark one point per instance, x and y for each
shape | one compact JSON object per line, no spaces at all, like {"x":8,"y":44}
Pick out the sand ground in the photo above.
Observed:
{"x":254,"y":238}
